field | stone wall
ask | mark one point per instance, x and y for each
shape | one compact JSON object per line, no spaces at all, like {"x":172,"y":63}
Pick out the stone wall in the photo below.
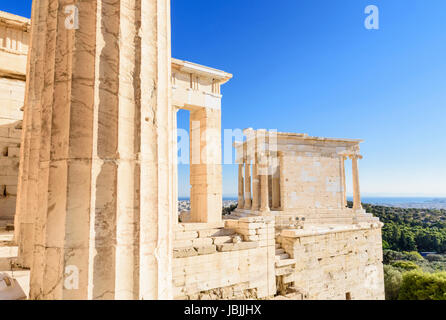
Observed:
{"x":315,"y":183}
{"x":337,"y":263}
{"x":9,"y":167}
{"x":214,"y":266}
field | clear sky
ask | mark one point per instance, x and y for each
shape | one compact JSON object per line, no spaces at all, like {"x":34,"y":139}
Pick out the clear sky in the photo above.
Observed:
{"x":311,"y":66}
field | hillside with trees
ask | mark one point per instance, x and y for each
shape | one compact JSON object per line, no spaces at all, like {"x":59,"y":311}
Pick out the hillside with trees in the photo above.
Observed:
{"x":422,"y":230}
{"x":406,"y":233}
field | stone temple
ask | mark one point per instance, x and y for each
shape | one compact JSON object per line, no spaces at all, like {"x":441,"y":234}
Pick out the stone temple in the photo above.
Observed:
{"x":88,"y":174}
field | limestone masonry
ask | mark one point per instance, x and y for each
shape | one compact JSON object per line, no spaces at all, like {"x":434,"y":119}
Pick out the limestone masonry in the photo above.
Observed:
{"x":88,"y":175}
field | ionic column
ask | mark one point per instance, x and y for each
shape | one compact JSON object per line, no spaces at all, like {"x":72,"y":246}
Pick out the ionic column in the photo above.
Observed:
{"x":255,"y":187}
{"x":264,"y":195}
{"x":356,"y":190}
{"x":241,"y":187}
{"x":276,"y":187}
{"x":102,"y":123}
{"x":344,"y":185}
{"x":247,"y":197}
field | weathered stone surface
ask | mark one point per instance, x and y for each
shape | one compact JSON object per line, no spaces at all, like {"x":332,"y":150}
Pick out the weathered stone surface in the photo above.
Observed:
{"x":186,"y":235}
{"x":202,"y":242}
{"x":182,"y":243}
{"x":100,"y":181}
{"x":221,"y":240}
{"x":350,"y":257}
{"x":206,"y":249}
{"x":184,"y":252}
{"x":237,"y":246}
{"x":215,"y":233}
{"x":193,"y":226}
{"x":284,"y":270}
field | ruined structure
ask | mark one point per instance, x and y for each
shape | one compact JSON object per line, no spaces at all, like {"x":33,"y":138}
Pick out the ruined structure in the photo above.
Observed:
{"x":14,"y":34}
{"x":96,"y":212}
{"x":300,"y":181}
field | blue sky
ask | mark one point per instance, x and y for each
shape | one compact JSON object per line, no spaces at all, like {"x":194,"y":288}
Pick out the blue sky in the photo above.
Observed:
{"x":311,"y":66}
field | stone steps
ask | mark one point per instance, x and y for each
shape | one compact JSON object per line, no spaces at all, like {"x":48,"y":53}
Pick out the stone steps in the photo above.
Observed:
{"x":284,"y":271}
{"x":285,"y":262}
{"x":282,"y":256}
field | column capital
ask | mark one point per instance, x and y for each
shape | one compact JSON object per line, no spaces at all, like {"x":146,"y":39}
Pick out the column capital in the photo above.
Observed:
{"x":355,"y":156}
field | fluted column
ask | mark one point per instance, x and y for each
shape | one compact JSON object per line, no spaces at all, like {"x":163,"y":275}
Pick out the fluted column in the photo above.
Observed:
{"x":264,"y":194}
{"x":247,"y":197}
{"x":356,"y":190}
{"x":27,"y":180}
{"x":241,"y":186}
{"x":102,"y":121}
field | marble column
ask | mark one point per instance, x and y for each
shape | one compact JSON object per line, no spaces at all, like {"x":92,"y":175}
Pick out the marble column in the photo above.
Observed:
{"x":276,"y":188}
{"x":283,"y":198}
{"x":264,"y":194}
{"x":205,"y":168}
{"x":247,"y":197}
{"x":344,"y":184}
{"x":29,"y":152}
{"x":255,"y":186}
{"x":100,"y":112}
{"x":356,"y":190}
{"x":241,"y":187}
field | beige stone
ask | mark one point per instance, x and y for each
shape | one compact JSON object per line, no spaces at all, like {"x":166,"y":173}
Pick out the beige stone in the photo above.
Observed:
{"x":202,"y":242}
{"x":97,"y":182}
{"x":184,"y":252}
{"x":206,"y":250}
{"x":89,"y":195}
{"x":186,"y":235}
{"x":222,"y":239}
{"x":215,"y":233}
{"x":182,"y":243}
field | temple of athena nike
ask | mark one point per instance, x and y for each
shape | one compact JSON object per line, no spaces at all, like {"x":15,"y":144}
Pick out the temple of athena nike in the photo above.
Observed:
{"x":88,"y":175}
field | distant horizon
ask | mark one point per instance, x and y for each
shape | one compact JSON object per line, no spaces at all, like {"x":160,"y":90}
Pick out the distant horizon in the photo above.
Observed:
{"x":363,"y":197}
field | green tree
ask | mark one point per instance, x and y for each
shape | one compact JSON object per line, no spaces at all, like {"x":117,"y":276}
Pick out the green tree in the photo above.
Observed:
{"x":405,"y":265}
{"x":418,"y":285}
{"x":392,"y":282}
